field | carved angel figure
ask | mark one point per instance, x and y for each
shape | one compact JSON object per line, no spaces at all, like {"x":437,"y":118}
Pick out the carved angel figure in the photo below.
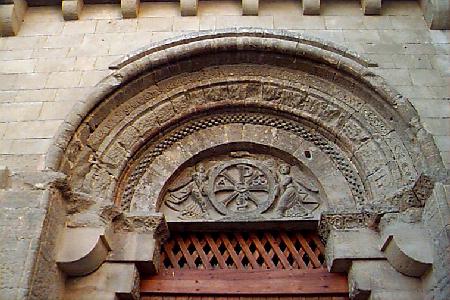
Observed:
{"x":189,"y":197}
{"x":293,"y":194}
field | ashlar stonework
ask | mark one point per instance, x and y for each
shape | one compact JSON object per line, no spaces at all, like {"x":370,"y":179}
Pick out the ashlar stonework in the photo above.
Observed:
{"x":242,"y":126}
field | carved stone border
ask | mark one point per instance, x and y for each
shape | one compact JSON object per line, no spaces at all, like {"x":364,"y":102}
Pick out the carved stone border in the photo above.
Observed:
{"x":339,"y":159}
{"x":213,"y":41}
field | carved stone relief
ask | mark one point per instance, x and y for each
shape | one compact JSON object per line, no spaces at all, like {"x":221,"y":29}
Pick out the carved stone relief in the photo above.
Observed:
{"x":243,"y":185}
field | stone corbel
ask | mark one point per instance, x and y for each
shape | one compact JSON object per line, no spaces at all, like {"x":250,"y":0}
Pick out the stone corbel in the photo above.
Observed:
{"x":311,"y":7}
{"x":188,"y":7}
{"x":407,"y":248}
{"x":436,"y":13}
{"x":250,"y":7}
{"x":83,"y":250}
{"x":12,"y":13}
{"x":130,"y":8}
{"x":371,"y":7}
{"x":72,"y":9}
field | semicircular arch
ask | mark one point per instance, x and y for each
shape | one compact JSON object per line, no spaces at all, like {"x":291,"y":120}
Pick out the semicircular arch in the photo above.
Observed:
{"x":159,"y":91}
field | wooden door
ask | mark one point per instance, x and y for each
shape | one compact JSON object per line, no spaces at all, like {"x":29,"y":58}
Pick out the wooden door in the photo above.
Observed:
{"x":251,"y":265}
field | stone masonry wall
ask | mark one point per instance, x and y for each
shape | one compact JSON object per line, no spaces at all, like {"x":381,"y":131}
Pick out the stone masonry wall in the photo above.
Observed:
{"x":51,"y":64}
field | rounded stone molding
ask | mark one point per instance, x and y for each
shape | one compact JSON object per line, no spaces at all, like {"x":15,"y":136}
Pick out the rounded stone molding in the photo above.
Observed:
{"x":151,"y":101}
{"x":77,"y":258}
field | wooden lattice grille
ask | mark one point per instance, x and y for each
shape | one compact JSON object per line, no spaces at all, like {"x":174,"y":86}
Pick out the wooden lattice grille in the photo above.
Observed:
{"x":244,"y":251}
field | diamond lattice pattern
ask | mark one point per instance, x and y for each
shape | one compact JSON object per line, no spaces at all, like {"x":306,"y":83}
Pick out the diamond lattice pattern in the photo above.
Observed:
{"x":250,"y":250}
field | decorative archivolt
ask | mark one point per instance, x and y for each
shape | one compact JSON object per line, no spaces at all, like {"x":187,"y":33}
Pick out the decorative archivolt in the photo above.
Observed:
{"x":309,"y":93}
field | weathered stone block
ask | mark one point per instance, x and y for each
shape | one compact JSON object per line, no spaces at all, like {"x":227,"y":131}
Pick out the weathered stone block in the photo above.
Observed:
{"x":12,"y":14}
{"x":139,"y":248}
{"x":250,"y":7}
{"x":188,"y":7}
{"x":345,"y":246}
{"x":105,"y":283}
{"x":130,"y":8}
{"x":72,"y":9}
{"x":436,"y":13}
{"x":311,"y":7}
{"x":5,"y":178}
{"x":407,"y":247}
{"x":369,"y":278}
{"x":82,"y":250}
{"x":371,"y":7}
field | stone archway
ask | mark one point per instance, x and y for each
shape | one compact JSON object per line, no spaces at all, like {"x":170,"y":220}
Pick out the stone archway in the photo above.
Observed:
{"x":299,"y":100}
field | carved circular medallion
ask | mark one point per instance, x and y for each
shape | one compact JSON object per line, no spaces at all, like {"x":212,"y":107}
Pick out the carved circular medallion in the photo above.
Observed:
{"x":241,"y":186}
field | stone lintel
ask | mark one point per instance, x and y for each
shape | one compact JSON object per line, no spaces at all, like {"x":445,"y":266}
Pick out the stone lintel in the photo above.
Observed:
{"x":110,"y":281}
{"x":345,"y":246}
{"x":371,"y":7}
{"x":72,"y":9}
{"x":83,"y":250}
{"x":311,"y":7}
{"x":11,"y":16}
{"x":188,"y":7}
{"x":130,"y":8}
{"x":250,"y":7}
{"x":407,"y":248}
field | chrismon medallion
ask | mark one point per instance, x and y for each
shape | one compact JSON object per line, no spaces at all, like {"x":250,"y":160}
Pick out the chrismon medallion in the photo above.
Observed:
{"x":242,"y":185}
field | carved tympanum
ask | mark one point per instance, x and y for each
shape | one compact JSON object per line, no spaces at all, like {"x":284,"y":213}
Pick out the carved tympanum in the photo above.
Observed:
{"x":242,"y":185}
